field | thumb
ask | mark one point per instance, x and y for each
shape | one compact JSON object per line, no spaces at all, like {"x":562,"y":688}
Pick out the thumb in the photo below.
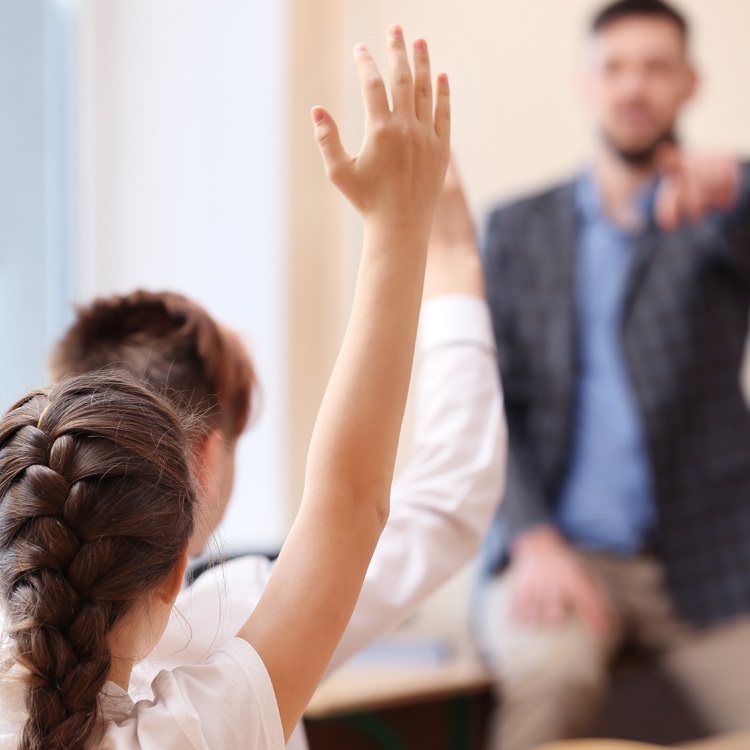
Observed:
{"x":669,"y":196}
{"x":667,"y":206}
{"x":595,"y":610}
{"x":329,"y":142}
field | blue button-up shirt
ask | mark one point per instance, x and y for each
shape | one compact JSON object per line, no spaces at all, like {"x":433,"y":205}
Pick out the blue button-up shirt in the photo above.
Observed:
{"x":607,"y":500}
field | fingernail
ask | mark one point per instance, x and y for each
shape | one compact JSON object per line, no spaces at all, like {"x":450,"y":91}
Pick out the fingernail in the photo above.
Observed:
{"x":396,"y":31}
{"x":443,"y":81}
{"x":318,"y":115}
{"x":360,"y":48}
{"x":420,"y":45}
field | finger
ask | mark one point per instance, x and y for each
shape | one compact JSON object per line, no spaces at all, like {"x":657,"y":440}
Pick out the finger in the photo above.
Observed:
{"x":555,"y":611}
{"x":545,"y":602}
{"x":723,"y":191}
{"x":547,"y":607}
{"x":518,"y":602}
{"x":591,"y":616}
{"x":402,"y":86}
{"x":534,"y":605}
{"x":696,"y":198}
{"x":525,"y":601}
{"x":712,"y":184}
{"x":422,"y":82}
{"x":666,"y":208}
{"x":335,"y":158}
{"x":593,"y":609}
{"x":443,"y":109}
{"x":371,"y":83}
{"x":728,"y":186}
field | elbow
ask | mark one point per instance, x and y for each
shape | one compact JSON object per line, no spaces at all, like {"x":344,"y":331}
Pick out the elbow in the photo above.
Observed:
{"x":382,"y":509}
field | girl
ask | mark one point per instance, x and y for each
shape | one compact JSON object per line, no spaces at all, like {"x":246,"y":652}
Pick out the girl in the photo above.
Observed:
{"x":96,"y":498}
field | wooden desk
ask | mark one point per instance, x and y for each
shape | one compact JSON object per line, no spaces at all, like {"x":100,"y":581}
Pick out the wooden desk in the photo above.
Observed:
{"x":740,"y":741}
{"x":599,"y":745}
{"x":397,"y":708}
{"x":356,"y":690}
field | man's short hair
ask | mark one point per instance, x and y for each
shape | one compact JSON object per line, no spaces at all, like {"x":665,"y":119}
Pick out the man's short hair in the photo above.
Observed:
{"x":170,"y":342}
{"x":629,"y":8}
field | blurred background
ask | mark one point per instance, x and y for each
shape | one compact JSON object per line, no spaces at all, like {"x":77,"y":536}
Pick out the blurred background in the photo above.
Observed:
{"x":168,"y":144}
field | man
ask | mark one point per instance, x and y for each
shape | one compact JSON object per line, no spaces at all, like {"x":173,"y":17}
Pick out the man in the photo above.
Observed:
{"x":441,"y":504}
{"x":620,"y":304}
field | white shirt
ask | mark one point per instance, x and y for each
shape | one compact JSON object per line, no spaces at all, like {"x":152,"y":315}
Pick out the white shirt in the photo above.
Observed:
{"x":441,"y":504}
{"x":226,"y":702}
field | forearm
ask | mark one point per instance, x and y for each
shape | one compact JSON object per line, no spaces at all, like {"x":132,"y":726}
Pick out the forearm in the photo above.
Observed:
{"x":350,"y":468}
{"x":453,"y":264}
{"x":356,"y":434}
{"x":458,"y":272}
{"x":443,"y":500}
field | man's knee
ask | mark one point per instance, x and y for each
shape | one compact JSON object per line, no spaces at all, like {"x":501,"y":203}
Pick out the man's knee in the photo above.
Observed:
{"x":550,"y":661}
{"x":558,"y":667}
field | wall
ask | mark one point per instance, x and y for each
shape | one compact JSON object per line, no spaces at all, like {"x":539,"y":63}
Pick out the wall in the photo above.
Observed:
{"x":35,"y":187}
{"x":180,"y":153}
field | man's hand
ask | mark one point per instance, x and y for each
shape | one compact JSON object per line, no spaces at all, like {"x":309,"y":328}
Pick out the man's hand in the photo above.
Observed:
{"x":550,"y":583}
{"x":693,"y":184}
{"x":453,"y":265}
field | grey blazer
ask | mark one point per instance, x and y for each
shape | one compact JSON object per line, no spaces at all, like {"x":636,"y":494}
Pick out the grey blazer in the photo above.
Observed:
{"x":684,"y":329}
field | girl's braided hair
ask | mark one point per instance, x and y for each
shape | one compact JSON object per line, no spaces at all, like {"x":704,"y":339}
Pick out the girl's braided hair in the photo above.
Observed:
{"x":96,"y":506}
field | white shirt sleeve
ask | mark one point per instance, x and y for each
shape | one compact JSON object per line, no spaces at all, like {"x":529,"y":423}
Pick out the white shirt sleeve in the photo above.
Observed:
{"x":227,"y":702}
{"x":444,"y":500}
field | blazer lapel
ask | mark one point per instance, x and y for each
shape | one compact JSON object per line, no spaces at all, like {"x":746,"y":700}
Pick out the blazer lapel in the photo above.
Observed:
{"x":565,"y":238}
{"x":564,"y":327}
{"x":643,"y":253}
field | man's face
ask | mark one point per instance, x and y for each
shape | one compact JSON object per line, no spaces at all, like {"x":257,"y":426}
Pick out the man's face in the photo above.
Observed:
{"x":637,"y":80}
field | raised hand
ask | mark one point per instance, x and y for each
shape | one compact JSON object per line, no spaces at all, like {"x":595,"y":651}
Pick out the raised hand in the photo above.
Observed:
{"x":400,"y":167}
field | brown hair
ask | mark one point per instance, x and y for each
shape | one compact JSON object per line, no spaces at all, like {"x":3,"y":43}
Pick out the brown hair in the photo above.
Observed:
{"x":96,"y":507}
{"x":172,"y":343}
{"x":628,"y":8}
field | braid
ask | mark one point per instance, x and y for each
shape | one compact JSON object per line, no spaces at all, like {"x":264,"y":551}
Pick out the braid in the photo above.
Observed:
{"x":86,"y":482}
{"x":61,"y":635}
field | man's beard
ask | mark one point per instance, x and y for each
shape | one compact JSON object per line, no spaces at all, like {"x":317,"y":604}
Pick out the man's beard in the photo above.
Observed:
{"x":638,"y":157}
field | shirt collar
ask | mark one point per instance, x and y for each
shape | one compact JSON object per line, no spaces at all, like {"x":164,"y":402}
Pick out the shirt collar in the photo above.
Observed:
{"x":116,"y":704}
{"x":590,"y":204}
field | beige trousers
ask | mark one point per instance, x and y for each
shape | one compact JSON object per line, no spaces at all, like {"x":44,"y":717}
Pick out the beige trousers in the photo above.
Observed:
{"x":551,"y":681}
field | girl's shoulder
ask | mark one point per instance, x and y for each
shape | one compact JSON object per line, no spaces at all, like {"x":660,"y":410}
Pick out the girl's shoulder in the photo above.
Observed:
{"x":227,"y":701}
